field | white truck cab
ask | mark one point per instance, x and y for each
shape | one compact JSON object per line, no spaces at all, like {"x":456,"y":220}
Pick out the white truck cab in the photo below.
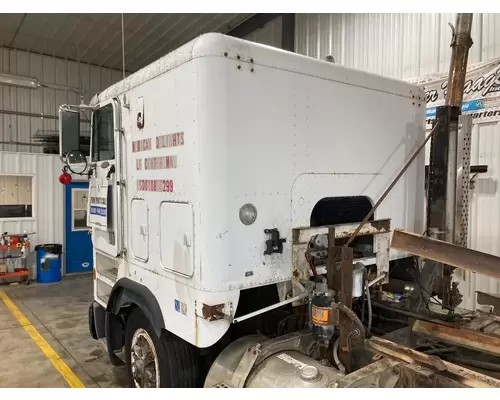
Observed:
{"x":210,"y":170}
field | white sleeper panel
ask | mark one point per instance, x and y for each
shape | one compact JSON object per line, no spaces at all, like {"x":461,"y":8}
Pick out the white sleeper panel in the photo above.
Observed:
{"x":140,"y":229}
{"x":176,"y":238}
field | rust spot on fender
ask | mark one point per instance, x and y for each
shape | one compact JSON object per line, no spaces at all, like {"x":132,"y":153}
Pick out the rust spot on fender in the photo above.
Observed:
{"x":212,"y":313}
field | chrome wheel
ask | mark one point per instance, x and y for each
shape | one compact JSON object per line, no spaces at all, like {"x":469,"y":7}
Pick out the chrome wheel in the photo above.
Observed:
{"x":144,"y":361}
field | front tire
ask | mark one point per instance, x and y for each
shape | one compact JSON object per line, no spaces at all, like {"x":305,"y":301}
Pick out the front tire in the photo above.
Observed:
{"x":153,"y":362}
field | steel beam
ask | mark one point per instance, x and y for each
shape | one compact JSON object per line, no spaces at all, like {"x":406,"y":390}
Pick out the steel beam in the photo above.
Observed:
{"x":459,"y":336}
{"x":339,"y":278}
{"x":342,"y":231}
{"x":462,"y":186}
{"x":461,"y":375}
{"x":288,"y":32}
{"x":404,"y":353}
{"x":442,"y":175}
{"x":446,"y":253}
{"x":253,"y":23}
{"x":461,"y":43}
{"x":372,"y":373}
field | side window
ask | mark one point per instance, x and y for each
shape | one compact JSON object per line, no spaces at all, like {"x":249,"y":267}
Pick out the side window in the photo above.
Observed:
{"x":103,"y":135}
{"x":16,"y":196}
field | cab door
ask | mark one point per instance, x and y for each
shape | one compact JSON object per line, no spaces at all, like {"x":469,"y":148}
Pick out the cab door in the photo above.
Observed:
{"x":105,"y":214}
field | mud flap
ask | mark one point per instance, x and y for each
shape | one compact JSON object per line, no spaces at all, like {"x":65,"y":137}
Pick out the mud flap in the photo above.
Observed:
{"x":114,"y":337}
{"x":97,"y":323}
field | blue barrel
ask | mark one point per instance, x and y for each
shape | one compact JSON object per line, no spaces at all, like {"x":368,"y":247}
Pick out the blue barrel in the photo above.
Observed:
{"x":48,"y":263}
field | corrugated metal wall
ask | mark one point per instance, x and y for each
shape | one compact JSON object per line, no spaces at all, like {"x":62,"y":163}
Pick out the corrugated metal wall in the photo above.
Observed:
{"x":47,"y":221}
{"x":397,"y":45}
{"x":484,"y":217}
{"x":270,"y":34}
{"x":408,"y":46}
{"x":26,"y":112}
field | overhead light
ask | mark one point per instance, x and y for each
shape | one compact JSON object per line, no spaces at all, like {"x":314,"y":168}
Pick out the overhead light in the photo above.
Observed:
{"x":33,"y":83}
{"x":22,"y":81}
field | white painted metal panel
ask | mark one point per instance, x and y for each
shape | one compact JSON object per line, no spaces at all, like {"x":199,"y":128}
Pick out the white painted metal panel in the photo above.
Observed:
{"x":177,"y":238}
{"x":407,"y":46}
{"x":48,"y":217}
{"x":139,"y":229}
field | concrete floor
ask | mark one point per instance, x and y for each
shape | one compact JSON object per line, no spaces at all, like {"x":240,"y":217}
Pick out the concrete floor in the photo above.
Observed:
{"x":59,"y":312}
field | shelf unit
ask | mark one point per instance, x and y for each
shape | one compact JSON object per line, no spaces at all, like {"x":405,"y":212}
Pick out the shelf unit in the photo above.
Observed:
{"x":13,"y":257}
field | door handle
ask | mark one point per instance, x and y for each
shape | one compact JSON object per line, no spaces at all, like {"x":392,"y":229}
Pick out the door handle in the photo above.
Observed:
{"x":111,"y":171}
{"x":109,"y":208}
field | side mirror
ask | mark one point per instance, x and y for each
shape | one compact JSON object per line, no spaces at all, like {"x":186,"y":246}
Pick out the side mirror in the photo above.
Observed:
{"x":69,"y":130}
{"x":76,"y":162}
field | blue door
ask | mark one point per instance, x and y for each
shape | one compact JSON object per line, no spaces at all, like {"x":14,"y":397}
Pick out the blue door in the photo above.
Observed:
{"x":78,"y":244}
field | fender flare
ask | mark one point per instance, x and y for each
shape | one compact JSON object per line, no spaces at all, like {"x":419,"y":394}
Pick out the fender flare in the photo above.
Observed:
{"x":126,"y":292}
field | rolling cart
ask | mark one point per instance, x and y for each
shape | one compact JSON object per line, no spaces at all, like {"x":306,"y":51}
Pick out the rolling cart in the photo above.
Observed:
{"x":14,"y":250}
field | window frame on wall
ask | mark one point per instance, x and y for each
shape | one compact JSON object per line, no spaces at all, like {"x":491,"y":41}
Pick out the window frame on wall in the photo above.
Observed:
{"x":29,"y":213}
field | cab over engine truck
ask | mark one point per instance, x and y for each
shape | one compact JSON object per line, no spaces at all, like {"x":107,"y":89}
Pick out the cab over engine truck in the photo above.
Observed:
{"x":220,"y":177}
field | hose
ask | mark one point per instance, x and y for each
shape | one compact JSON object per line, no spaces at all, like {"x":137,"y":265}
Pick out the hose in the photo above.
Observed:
{"x":363,"y":301}
{"x":369,"y":301}
{"x":311,"y":265}
{"x":336,"y":358}
{"x":353,"y":317}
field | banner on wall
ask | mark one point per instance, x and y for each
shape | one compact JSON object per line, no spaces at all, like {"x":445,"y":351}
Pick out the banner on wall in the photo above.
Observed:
{"x":481,"y":92}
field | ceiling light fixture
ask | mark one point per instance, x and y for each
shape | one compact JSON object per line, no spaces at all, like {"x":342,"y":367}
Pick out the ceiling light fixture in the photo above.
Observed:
{"x":22,"y":81}
{"x":33,"y":83}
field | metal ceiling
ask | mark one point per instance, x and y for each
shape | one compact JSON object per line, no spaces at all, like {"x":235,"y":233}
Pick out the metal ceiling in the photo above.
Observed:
{"x":97,"y":38}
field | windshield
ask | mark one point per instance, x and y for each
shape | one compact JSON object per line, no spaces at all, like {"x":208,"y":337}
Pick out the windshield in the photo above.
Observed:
{"x":103,"y":139}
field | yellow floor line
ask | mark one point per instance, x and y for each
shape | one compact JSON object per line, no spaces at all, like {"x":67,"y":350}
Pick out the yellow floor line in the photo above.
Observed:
{"x":46,"y":348}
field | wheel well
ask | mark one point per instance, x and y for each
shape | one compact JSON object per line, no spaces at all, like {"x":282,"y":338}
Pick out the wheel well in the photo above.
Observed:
{"x":127,"y":294}
{"x":270,"y":323}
